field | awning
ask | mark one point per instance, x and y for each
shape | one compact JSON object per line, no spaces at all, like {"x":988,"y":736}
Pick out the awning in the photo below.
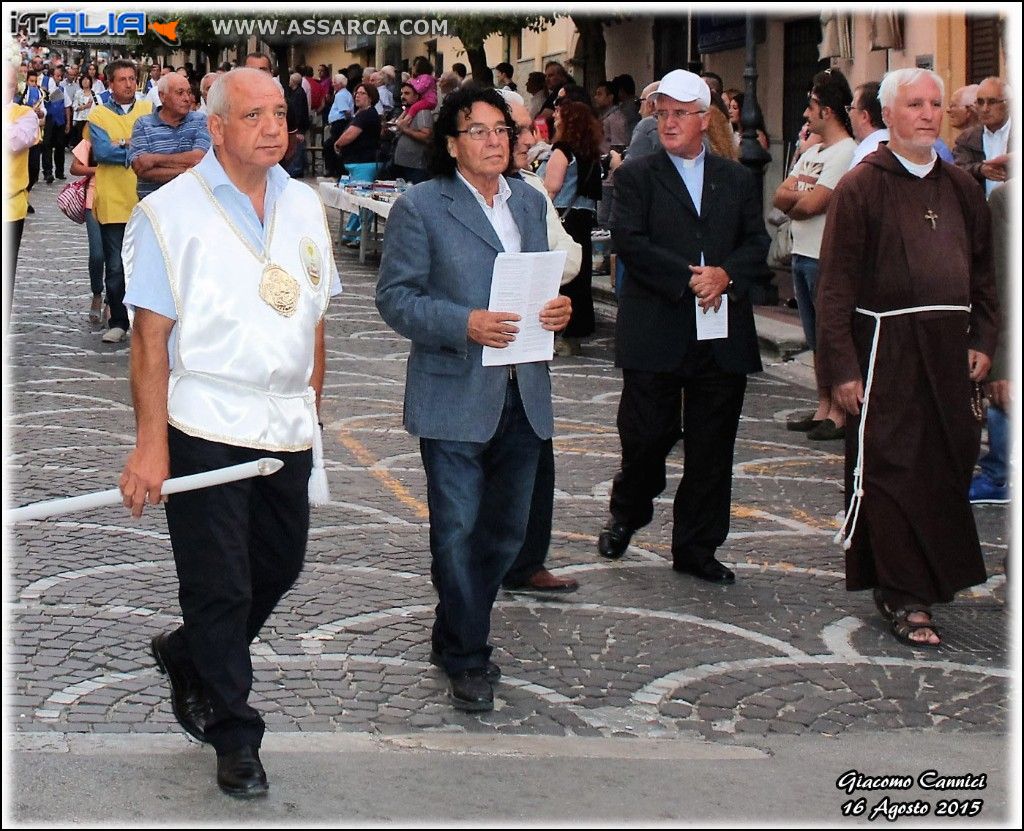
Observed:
{"x":836,"y":36}
{"x":886,"y":30}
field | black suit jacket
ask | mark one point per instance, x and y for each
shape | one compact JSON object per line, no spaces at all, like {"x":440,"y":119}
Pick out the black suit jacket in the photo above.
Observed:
{"x":658,"y":234}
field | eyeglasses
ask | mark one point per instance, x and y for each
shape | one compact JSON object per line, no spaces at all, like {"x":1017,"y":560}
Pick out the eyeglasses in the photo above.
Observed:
{"x":850,"y":108}
{"x":665,"y":115}
{"x":523,"y":129}
{"x":478,"y":132}
{"x":989,"y":102}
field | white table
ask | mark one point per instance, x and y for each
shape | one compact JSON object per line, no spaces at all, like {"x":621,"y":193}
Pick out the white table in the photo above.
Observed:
{"x":370,"y":211}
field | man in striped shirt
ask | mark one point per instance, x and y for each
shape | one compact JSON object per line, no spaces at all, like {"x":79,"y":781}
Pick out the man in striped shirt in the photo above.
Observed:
{"x":171,"y":140}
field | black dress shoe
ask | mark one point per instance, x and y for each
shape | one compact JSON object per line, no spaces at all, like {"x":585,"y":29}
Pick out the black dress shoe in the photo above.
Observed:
{"x":493,"y":674}
{"x":49,"y":180}
{"x":471,"y":691}
{"x":188,"y":701}
{"x":710,"y":570}
{"x":240,"y":773}
{"x":614,"y":540}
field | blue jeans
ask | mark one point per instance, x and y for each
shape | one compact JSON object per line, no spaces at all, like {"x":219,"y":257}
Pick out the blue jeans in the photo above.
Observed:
{"x":363,"y":172}
{"x":112,"y":234}
{"x":479,"y":498}
{"x":993,"y":463}
{"x":805,"y":283}
{"x":92,"y":228}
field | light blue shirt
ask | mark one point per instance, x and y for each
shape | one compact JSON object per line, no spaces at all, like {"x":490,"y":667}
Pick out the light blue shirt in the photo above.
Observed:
{"x":343,"y":106}
{"x":691,"y":171}
{"x":148,"y":285}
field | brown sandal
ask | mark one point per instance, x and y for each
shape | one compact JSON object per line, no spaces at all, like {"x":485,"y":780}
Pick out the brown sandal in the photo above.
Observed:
{"x":903,"y":627}
{"x":885,"y":609}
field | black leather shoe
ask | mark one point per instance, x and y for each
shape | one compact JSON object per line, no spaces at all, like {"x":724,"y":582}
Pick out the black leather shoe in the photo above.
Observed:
{"x":710,"y":570}
{"x":188,"y":701}
{"x":240,"y":773}
{"x":614,"y":540}
{"x":493,"y":674}
{"x":471,"y":691}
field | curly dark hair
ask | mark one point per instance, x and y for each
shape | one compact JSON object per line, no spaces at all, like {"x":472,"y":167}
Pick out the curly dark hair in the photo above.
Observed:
{"x":833,"y":91}
{"x":440,"y":162}
{"x":580,"y":129}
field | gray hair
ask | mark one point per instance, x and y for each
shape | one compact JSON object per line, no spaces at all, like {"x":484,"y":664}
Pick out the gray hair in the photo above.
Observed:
{"x":218,"y":100}
{"x":889,"y":87}
{"x":969,"y":94}
{"x":1005,"y":87}
{"x":164,"y":83}
{"x":295,"y":78}
{"x":341,"y":80}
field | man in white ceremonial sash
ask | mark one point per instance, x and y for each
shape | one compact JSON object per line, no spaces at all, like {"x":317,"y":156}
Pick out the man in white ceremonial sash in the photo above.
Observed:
{"x":230,"y":272}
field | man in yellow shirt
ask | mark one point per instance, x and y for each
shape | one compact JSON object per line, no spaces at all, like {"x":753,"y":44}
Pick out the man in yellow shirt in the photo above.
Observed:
{"x":110,"y":131}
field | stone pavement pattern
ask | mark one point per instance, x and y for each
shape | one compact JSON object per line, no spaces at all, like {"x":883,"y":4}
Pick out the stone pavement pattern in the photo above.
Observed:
{"x":639,"y":651}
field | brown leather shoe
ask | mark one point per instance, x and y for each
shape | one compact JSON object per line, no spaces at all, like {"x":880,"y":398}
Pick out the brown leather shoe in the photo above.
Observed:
{"x":544,"y":582}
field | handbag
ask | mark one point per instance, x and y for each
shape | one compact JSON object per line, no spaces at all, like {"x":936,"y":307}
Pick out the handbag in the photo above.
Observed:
{"x":780,"y":254}
{"x":71,"y":199}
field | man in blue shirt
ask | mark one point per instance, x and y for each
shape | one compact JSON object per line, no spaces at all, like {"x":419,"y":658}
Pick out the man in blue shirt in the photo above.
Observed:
{"x":169,"y":141}
{"x":54,"y":131}
{"x":337,"y":119}
{"x":234,"y":558}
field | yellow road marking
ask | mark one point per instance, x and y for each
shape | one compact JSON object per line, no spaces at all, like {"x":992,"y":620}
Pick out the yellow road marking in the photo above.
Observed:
{"x":365,"y":457}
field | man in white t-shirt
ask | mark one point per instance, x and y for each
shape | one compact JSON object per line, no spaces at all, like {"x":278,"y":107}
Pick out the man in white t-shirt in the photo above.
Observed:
{"x":804,"y":197}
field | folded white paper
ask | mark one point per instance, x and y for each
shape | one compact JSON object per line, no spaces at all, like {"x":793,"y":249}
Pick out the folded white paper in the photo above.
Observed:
{"x":711,"y":324}
{"x":523,"y":283}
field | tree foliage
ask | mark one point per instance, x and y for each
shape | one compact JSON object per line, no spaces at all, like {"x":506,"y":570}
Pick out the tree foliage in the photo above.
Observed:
{"x":474,"y":29}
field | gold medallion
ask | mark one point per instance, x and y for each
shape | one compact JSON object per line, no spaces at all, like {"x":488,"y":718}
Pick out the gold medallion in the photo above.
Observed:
{"x":279,"y":290}
{"x":310,"y":256}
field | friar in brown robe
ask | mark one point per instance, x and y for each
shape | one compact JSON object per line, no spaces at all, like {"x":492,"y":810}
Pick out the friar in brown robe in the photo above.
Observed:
{"x":893,"y":241}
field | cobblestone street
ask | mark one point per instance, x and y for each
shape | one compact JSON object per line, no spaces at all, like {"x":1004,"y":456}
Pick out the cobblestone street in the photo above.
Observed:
{"x":638,"y":651}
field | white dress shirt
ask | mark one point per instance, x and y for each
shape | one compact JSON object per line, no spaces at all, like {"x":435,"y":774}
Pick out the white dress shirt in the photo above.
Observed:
{"x":995,"y":144}
{"x":499,"y":215}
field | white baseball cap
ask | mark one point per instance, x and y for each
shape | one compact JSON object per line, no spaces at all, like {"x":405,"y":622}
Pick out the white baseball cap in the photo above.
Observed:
{"x":685,"y":86}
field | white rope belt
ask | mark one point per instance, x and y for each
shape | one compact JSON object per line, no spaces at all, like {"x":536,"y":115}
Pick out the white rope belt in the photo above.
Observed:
{"x":845,"y":534}
{"x":319,"y":493}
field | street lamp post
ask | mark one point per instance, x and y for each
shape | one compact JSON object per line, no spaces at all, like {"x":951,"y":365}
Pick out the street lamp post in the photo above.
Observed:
{"x":752,"y":154}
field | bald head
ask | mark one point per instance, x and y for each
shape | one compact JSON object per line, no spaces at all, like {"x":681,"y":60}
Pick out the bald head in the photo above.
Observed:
{"x":647,"y":99}
{"x":993,"y":103}
{"x":961,"y":107}
{"x":235,"y":85}
{"x":525,"y":136}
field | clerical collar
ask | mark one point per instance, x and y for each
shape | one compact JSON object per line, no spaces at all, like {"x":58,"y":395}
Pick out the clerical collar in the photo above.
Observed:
{"x":919,"y":170}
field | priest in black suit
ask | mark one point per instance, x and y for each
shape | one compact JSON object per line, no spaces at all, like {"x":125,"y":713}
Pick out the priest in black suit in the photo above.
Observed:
{"x":690,"y":229}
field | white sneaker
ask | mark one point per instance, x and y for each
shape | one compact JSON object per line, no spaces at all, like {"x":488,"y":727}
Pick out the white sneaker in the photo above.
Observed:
{"x":115,"y":334}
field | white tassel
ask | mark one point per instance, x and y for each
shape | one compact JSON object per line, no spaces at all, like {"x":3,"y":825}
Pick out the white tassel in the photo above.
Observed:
{"x":319,"y":492}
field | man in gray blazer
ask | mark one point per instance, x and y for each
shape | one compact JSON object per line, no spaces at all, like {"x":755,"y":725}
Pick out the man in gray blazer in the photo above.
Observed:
{"x":480,"y":427}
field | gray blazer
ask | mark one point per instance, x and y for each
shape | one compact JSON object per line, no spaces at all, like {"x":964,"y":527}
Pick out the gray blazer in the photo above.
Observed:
{"x":439,"y":252}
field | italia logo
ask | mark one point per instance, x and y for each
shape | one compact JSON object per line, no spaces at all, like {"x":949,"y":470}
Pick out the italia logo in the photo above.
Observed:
{"x":95,"y":24}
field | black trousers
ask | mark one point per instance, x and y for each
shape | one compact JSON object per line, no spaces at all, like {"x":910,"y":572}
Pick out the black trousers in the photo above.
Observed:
{"x":12,"y":244}
{"x":332,"y":161}
{"x":54,"y":141}
{"x":649,"y":424}
{"x":237,"y":549}
{"x":35,"y":157}
{"x":534,"y":552}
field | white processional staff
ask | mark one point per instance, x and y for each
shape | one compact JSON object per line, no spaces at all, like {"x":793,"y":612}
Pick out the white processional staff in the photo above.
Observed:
{"x":102,"y":499}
